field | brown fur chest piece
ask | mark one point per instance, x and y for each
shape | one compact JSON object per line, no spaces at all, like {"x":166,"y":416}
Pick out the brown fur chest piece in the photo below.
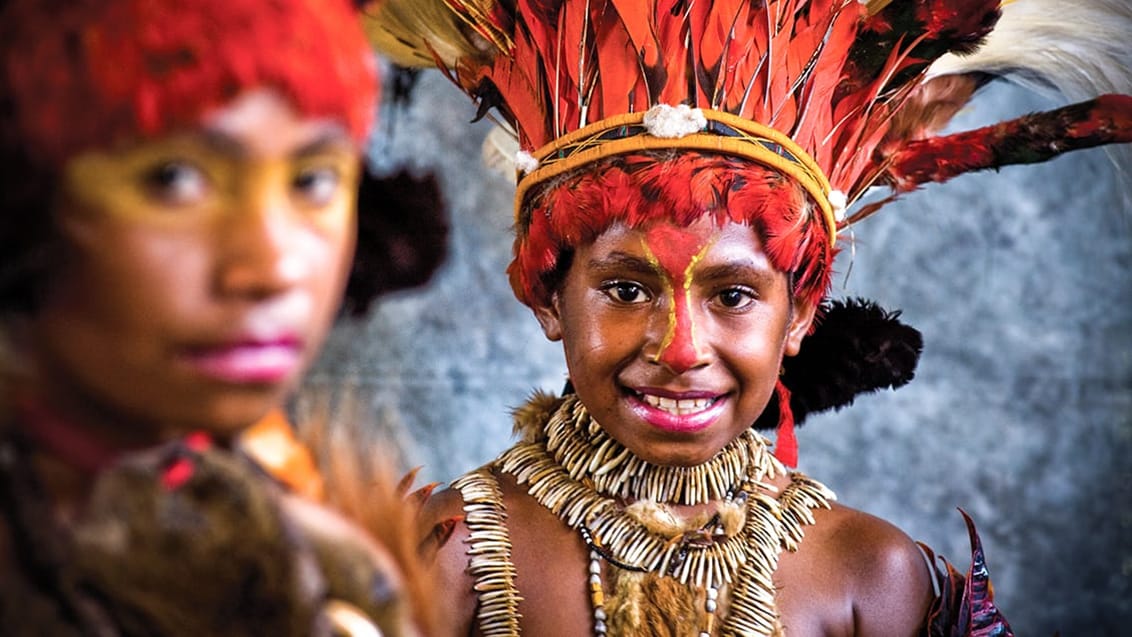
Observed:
{"x":194,"y":540}
{"x":641,"y":601}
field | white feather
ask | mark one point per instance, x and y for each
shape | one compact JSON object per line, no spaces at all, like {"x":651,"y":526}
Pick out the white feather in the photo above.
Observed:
{"x":1077,"y":47}
{"x":500,"y":149}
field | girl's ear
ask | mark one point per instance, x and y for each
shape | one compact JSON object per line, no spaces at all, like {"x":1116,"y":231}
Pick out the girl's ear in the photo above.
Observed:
{"x":548,"y":318}
{"x":803,"y":316}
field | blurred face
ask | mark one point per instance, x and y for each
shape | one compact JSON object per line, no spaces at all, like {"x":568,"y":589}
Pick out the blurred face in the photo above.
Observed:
{"x":674,"y":336}
{"x":202,"y":271}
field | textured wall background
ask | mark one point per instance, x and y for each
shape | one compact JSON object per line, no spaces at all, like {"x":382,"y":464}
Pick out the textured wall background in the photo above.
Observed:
{"x":1021,"y":412}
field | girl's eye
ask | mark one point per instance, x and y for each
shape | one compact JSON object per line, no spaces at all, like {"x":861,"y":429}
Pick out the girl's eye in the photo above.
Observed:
{"x":735,"y":298}
{"x":176,"y":183}
{"x":626,"y":292}
{"x":318,"y":186}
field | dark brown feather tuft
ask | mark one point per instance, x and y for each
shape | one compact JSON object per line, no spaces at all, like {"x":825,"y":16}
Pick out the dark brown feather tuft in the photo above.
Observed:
{"x":857,"y":348}
{"x":402,"y":236}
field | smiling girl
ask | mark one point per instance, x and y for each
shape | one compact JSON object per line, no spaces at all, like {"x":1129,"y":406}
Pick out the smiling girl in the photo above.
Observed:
{"x":683,"y":171}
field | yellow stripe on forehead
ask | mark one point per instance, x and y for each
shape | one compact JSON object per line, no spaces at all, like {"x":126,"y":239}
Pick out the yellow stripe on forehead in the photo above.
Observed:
{"x":666,"y":267}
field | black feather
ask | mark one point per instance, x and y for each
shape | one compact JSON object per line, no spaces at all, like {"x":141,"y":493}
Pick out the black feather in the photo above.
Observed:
{"x":857,"y":348}
{"x":402,"y":236}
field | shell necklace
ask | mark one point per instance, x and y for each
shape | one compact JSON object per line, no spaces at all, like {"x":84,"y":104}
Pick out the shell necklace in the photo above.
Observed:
{"x":586,"y":478}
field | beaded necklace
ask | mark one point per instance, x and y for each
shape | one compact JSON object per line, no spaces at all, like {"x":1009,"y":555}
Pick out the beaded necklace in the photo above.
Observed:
{"x":585,"y":477}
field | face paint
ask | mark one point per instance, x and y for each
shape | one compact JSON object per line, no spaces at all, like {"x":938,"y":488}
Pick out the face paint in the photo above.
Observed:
{"x":203,"y":270}
{"x":675,"y":252}
{"x":724,"y":333}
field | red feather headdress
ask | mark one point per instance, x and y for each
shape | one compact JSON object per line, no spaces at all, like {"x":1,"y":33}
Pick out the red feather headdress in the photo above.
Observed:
{"x":838,"y":96}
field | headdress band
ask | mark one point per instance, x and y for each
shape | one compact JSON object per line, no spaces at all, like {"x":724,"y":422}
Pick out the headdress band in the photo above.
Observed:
{"x":668,"y":127}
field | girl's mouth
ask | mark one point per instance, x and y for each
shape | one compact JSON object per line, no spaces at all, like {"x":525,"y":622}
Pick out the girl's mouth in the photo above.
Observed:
{"x":678,"y":406}
{"x":686,"y":413}
{"x":250,"y":361}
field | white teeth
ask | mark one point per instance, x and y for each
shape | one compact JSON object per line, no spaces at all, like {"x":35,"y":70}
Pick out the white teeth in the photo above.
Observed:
{"x":681,"y":407}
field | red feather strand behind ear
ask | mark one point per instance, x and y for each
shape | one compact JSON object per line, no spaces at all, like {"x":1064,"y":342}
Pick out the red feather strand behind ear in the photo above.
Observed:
{"x":786,"y":442}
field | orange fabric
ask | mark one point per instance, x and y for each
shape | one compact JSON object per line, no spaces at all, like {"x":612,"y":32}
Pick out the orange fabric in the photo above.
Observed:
{"x":272,"y":443}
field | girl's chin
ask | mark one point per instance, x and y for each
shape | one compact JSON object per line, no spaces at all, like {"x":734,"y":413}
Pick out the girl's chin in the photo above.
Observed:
{"x":675,"y":454}
{"x":226,"y":421}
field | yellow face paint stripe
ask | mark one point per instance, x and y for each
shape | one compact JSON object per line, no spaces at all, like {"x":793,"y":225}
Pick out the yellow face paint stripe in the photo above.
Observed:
{"x":688,"y":276}
{"x":664,"y":280}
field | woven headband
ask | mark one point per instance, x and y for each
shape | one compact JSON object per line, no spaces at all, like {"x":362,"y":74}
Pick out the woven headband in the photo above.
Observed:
{"x":681,"y":127}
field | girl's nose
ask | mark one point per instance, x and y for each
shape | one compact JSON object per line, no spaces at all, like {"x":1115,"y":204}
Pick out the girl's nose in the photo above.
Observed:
{"x":261,"y":255}
{"x":679,"y":348}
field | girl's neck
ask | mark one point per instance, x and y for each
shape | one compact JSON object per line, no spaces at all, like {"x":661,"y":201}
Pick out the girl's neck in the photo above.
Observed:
{"x":84,"y":445}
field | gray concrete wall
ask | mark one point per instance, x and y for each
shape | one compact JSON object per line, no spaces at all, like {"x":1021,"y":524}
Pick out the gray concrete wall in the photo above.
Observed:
{"x":1021,"y":412}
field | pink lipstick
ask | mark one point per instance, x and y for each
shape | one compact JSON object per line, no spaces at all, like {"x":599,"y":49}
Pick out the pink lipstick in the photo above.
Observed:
{"x":684,"y":412}
{"x":249,"y":361}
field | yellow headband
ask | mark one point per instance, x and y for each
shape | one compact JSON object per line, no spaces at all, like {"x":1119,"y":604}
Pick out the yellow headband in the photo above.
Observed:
{"x":719,"y":132}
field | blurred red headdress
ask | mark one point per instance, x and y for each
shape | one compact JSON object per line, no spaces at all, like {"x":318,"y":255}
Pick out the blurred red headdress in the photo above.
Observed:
{"x":93,"y":73}
{"x":82,"y":74}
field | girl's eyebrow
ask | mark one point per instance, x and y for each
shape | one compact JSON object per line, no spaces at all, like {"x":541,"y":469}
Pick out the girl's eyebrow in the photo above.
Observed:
{"x":622,"y":262}
{"x":759,"y":273}
{"x":329,"y":138}
{"x":223,"y":143}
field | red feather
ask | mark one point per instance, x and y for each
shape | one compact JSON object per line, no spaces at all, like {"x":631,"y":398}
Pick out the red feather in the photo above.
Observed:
{"x":786,"y":442}
{"x":1027,"y":139}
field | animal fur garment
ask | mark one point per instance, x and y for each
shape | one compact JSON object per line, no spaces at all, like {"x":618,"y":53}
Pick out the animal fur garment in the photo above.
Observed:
{"x":192,"y":541}
{"x":651,"y":604}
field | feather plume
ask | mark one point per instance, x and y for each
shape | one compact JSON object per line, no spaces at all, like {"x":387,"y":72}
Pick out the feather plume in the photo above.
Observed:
{"x":965,"y":603}
{"x":1079,"y":49}
{"x":1025,"y":140}
{"x":418,"y":33}
{"x":500,"y":149}
{"x":360,"y":484}
{"x":1075,"y":49}
{"x":856,"y":348}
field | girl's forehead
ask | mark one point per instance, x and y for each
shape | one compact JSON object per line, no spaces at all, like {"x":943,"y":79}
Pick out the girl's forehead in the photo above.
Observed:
{"x":266,"y":120}
{"x":671,"y":246}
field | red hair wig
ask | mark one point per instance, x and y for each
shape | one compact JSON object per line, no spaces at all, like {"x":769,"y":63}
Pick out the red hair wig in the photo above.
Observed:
{"x":675,"y":186}
{"x":91,"y":73}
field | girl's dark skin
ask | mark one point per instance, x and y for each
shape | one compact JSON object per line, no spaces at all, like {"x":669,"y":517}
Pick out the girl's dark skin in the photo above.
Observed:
{"x":197,"y":279}
{"x":854,"y":574}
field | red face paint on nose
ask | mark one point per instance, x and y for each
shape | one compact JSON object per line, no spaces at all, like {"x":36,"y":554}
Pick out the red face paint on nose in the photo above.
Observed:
{"x":675,"y":252}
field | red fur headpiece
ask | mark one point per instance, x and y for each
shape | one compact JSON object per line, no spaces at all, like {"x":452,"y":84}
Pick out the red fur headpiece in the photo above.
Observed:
{"x":639,"y":188}
{"x":85,"y":73}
